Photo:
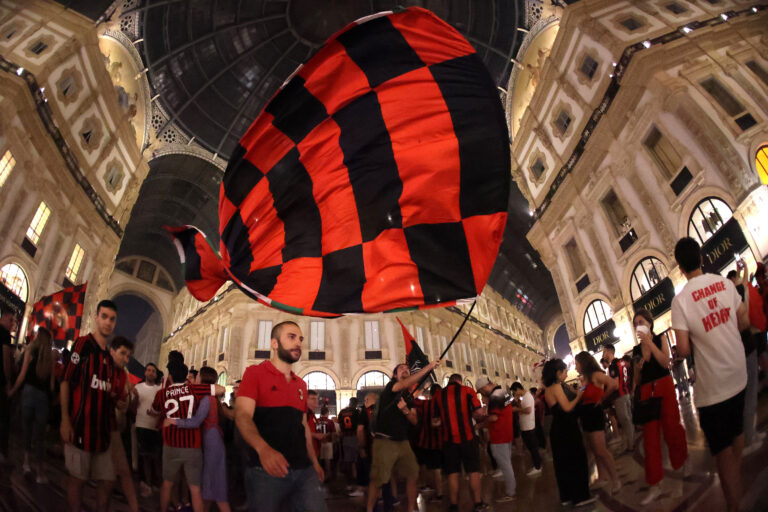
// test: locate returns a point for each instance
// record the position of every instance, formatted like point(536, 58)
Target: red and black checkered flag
point(414, 356)
point(376, 179)
point(61, 313)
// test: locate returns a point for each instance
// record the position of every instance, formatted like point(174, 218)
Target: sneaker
point(145, 491)
point(653, 494)
point(586, 502)
point(481, 507)
point(356, 493)
point(534, 472)
point(496, 474)
point(505, 498)
point(598, 484)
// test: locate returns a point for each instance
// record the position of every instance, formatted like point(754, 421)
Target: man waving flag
point(414, 357)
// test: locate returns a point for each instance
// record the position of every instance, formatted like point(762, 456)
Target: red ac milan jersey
point(458, 403)
point(325, 426)
point(430, 438)
point(180, 401)
point(619, 369)
point(91, 373)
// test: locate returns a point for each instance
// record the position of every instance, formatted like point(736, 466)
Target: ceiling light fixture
point(687, 30)
point(19, 71)
point(724, 16)
point(647, 43)
point(754, 9)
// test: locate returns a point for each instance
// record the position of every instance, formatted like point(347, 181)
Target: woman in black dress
point(568, 454)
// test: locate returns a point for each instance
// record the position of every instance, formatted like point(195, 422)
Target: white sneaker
point(534, 472)
point(26, 469)
point(653, 494)
point(496, 474)
point(145, 490)
point(505, 498)
point(356, 493)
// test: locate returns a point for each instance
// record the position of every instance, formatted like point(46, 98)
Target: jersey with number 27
point(180, 401)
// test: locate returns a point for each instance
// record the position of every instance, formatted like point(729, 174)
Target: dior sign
point(718, 251)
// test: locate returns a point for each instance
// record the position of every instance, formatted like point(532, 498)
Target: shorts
point(466, 454)
point(432, 459)
point(326, 451)
point(149, 441)
point(188, 459)
point(349, 449)
point(89, 465)
point(391, 455)
point(722, 422)
point(119, 458)
point(592, 418)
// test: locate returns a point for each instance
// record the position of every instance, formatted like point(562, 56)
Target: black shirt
point(651, 370)
point(5, 339)
point(390, 420)
point(349, 419)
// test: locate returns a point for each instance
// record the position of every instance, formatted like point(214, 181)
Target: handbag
point(645, 411)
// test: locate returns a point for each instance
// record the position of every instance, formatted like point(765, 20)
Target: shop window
point(647, 274)
point(36, 227)
point(598, 312)
point(14, 279)
point(708, 216)
point(675, 8)
point(7, 163)
point(761, 164)
point(588, 67)
point(759, 71)
point(223, 336)
point(631, 24)
point(319, 381)
point(75, 261)
point(38, 48)
point(728, 102)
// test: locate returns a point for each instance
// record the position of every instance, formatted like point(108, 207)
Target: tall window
point(319, 381)
point(265, 333)
point(758, 70)
point(598, 312)
point(574, 259)
point(73, 268)
point(728, 103)
point(372, 379)
point(648, 273)
point(420, 340)
point(37, 225)
point(588, 67)
point(14, 279)
point(613, 208)
point(207, 347)
point(7, 163)
point(562, 122)
point(317, 336)
point(372, 335)
point(466, 355)
point(708, 216)
point(761, 164)
point(223, 338)
point(663, 152)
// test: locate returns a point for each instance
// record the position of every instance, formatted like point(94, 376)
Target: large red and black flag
point(414, 357)
point(376, 179)
point(61, 313)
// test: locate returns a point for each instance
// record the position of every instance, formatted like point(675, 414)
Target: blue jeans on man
point(300, 488)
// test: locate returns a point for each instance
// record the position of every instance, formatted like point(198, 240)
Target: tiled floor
point(699, 492)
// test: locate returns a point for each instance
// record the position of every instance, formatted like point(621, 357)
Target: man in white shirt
point(707, 316)
point(527, 411)
point(148, 436)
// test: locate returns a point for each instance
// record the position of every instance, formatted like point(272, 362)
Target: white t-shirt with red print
point(707, 308)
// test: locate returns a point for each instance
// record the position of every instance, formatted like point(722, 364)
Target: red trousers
point(669, 423)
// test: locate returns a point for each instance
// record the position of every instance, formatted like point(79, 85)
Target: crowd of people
point(274, 444)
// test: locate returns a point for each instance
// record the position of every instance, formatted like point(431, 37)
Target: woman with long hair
point(656, 381)
point(597, 385)
point(568, 454)
point(37, 377)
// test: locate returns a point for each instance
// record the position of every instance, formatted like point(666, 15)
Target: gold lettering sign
point(655, 302)
point(719, 250)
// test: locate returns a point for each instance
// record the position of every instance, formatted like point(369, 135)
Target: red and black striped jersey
point(430, 437)
point(457, 403)
point(180, 401)
point(620, 370)
point(91, 373)
point(325, 426)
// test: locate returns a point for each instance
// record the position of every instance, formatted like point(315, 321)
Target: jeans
point(503, 454)
point(623, 407)
point(532, 443)
point(750, 399)
point(34, 412)
point(300, 487)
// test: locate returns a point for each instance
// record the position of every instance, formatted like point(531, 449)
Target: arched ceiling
point(179, 190)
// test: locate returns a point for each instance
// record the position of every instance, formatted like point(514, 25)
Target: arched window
point(319, 380)
point(13, 277)
point(708, 216)
point(222, 379)
point(761, 163)
point(598, 312)
point(647, 274)
point(372, 379)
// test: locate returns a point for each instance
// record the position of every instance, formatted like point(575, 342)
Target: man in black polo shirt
point(271, 415)
point(391, 449)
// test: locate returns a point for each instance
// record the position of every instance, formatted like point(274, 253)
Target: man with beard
point(271, 414)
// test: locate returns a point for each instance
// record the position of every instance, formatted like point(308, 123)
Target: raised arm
point(416, 377)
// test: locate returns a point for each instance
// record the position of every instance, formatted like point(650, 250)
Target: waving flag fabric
point(414, 357)
point(376, 179)
point(61, 313)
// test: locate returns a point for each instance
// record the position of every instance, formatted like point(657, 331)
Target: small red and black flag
point(414, 357)
point(376, 179)
point(61, 313)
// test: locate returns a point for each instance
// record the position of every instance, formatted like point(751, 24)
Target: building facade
point(635, 124)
